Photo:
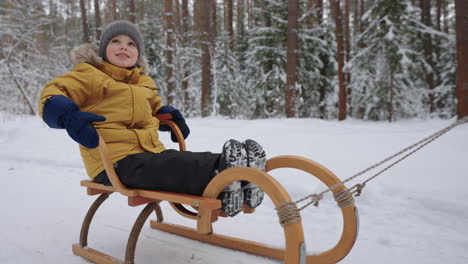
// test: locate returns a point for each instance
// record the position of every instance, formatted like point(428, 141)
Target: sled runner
point(208, 210)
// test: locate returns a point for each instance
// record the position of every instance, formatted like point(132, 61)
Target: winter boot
point(256, 158)
point(232, 197)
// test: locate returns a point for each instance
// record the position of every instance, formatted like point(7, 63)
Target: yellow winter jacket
point(127, 98)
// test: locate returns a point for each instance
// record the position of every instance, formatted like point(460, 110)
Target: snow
point(414, 213)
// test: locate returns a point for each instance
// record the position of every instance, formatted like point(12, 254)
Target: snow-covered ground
point(417, 212)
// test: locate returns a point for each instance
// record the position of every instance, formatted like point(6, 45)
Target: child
point(108, 92)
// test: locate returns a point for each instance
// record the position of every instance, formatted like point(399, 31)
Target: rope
point(288, 213)
point(344, 198)
point(357, 189)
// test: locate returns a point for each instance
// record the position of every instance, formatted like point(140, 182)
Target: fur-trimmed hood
point(89, 53)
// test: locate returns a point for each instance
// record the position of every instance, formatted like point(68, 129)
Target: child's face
point(122, 51)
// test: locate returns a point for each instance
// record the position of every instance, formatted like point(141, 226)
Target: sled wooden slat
point(96, 188)
point(138, 200)
point(191, 200)
point(157, 196)
point(94, 255)
point(221, 240)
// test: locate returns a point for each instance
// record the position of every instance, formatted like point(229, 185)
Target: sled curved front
point(294, 235)
point(350, 214)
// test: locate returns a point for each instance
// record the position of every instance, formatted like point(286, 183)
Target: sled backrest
point(112, 175)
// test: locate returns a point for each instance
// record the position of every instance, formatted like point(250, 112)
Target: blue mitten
point(177, 118)
point(61, 112)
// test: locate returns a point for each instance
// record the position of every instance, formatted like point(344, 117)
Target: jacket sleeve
point(76, 85)
point(155, 100)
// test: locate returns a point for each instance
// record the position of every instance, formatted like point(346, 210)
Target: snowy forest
point(328, 59)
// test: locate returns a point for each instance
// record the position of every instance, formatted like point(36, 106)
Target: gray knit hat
point(120, 27)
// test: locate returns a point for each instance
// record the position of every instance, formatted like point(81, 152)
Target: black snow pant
point(171, 170)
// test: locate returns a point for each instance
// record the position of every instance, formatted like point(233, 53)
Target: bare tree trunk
point(240, 17)
point(347, 30)
point(213, 34)
point(250, 13)
point(185, 21)
point(114, 8)
point(390, 99)
point(177, 20)
point(240, 20)
point(88, 13)
point(225, 15)
point(291, 63)
point(108, 11)
point(185, 29)
point(213, 24)
point(426, 19)
point(437, 47)
point(132, 11)
point(142, 10)
point(197, 16)
point(323, 88)
point(337, 14)
point(97, 15)
point(84, 21)
point(347, 46)
point(439, 15)
point(228, 19)
point(205, 16)
point(461, 13)
point(310, 19)
point(169, 48)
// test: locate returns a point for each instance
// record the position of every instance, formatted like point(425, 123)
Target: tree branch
point(23, 92)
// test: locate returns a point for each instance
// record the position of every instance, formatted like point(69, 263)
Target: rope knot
point(288, 213)
point(315, 199)
point(359, 187)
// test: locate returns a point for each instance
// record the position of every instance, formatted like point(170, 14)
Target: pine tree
point(317, 71)
point(387, 80)
point(443, 68)
point(152, 29)
point(229, 81)
point(266, 58)
point(444, 92)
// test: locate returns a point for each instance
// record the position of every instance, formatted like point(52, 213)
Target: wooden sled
point(207, 211)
